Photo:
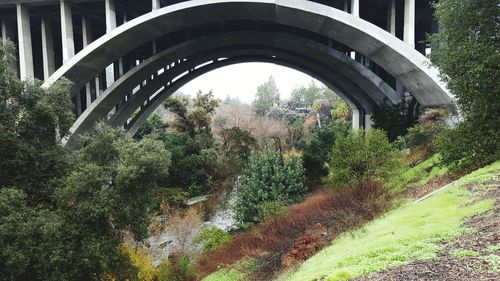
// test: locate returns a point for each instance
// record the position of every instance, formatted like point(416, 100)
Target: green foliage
point(192, 144)
point(362, 157)
point(237, 145)
point(195, 120)
point(393, 119)
point(270, 209)
point(31, 121)
point(417, 175)
point(267, 95)
point(268, 178)
point(305, 96)
point(154, 125)
point(317, 149)
point(466, 51)
point(424, 133)
point(62, 215)
point(211, 238)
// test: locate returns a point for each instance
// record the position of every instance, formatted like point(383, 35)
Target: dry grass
point(272, 243)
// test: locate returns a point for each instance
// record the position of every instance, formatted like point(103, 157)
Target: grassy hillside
point(413, 231)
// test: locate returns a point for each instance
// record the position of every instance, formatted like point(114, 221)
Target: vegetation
point(266, 97)
point(317, 149)
point(211, 239)
point(273, 245)
point(395, 120)
point(466, 52)
point(392, 240)
point(268, 178)
point(362, 157)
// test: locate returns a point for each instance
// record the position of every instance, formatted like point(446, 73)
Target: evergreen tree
point(269, 178)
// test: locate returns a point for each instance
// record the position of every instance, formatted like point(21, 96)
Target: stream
point(223, 217)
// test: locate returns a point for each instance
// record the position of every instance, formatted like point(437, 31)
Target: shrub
point(268, 178)
point(175, 269)
point(362, 157)
point(423, 135)
point(271, 209)
point(211, 238)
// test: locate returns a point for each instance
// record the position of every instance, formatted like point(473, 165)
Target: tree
point(268, 178)
point(395, 120)
point(31, 121)
point(267, 95)
point(466, 52)
point(361, 157)
point(317, 149)
point(195, 120)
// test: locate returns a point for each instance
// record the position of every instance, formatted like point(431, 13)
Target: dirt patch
point(462, 259)
point(306, 246)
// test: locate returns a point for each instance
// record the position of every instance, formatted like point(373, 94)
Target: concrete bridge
point(126, 56)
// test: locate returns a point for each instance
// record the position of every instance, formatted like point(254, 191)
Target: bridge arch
point(366, 93)
point(396, 57)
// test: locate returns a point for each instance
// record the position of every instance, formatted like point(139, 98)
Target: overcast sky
point(241, 80)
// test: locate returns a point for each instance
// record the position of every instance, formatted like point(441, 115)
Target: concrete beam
point(26, 70)
point(49, 64)
point(409, 23)
point(67, 36)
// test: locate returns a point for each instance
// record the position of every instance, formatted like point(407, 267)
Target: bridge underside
point(124, 75)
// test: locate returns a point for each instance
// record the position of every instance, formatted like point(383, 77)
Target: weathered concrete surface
point(396, 57)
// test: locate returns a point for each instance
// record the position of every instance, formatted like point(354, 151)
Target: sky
point(241, 80)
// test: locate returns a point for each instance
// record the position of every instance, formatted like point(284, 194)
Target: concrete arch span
point(361, 88)
point(397, 58)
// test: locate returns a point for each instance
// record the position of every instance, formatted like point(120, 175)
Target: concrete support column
point(26, 69)
point(155, 4)
point(356, 118)
point(49, 64)
point(110, 12)
point(409, 26)
point(355, 8)
point(9, 33)
point(368, 121)
point(391, 27)
point(391, 17)
point(67, 39)
point(87, 39)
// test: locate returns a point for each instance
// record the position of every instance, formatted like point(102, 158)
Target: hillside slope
point(451, 235)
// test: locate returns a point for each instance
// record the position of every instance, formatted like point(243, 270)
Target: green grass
point(462, 253)
point(225, 275)
point(411, 232)
point(418, 175)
